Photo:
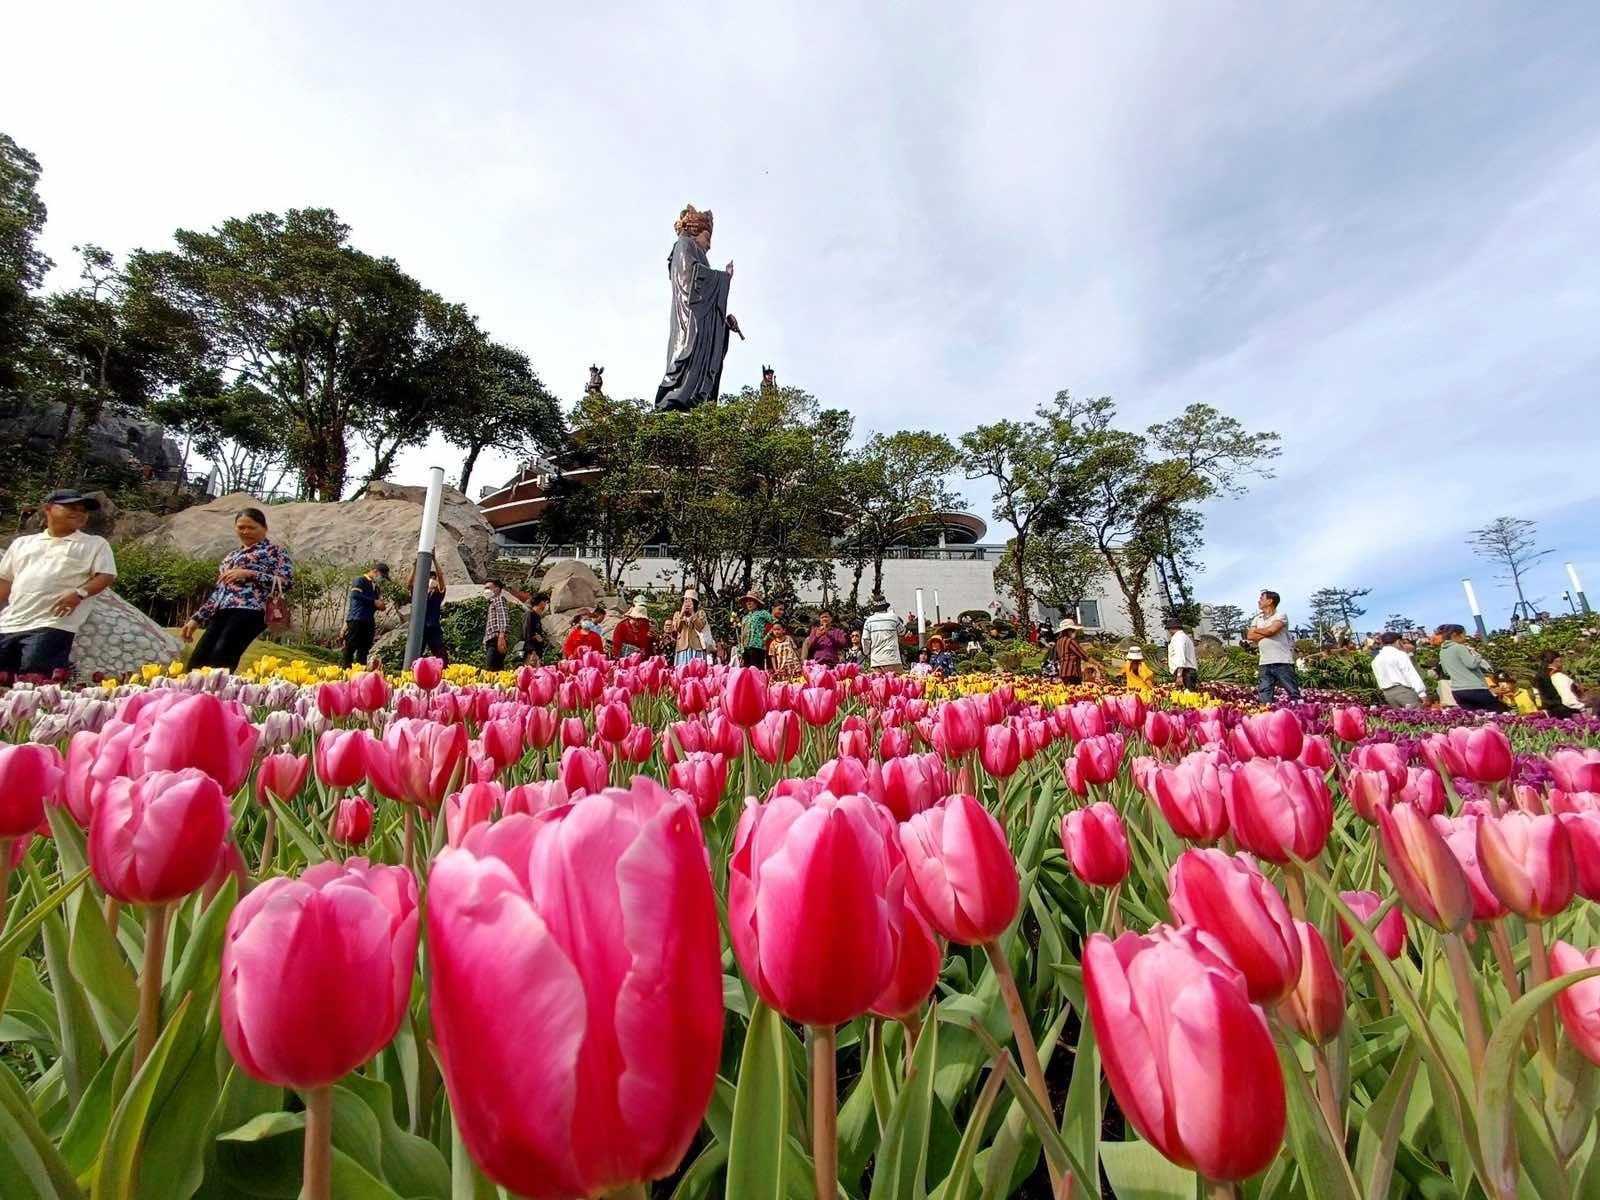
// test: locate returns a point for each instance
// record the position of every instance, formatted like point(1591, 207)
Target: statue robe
point(698, 338)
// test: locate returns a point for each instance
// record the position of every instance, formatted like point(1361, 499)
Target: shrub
point(166, 585)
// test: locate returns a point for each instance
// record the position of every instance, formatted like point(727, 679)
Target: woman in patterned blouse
point(235, 613)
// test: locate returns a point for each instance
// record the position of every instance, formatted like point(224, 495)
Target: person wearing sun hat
point(687, 629)
point(753, 629)
point(1069, 654)
point(634, 634)
point(50, 580)
point(1136, 673)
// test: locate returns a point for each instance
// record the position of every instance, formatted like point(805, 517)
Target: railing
point(919, 553)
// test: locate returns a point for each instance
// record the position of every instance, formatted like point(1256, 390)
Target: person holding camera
point(687, 629)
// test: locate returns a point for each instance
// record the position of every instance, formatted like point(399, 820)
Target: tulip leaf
point(1080, 1120)
point(963, 1173)
point(879, 1081)
point(200, 966)
point(30, 1166)
point(1321, 1159)
point(1138, 1171)
point(116, 1175)
point(858, 1134)
point(70, 841)
point(86, 1130)
point(19, 931)
point(413, 1166)
point(1383, 1124)
point(701, 1177)
point(99, 965)
point(79, 1044)
point(172, 1159)
point(1056, 1150)
point(296, 832)
point(1574, 1097)
point(756, 1165)
point(1498, 1091)
point(263, 1126)
point(901, 1164)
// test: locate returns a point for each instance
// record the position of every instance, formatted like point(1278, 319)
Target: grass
point(264, 647)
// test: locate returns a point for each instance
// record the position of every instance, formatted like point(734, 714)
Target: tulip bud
point(1527, 863)
point(1423, 869)
point(1276, 733)
point(1228, 897)
point(1190, 797)
point(352, 821)
point(1180, 1042)
point(1096, 844)
point(473, 805)
point(428, 672)
point(159, 837)
point(961, 875)
point(744, 696)
point(1576, 770)
point(1349, 723)
point(1000, 751)
point(1368, 792)
point(317, 971)
point(1278, 809)
point(912, 783)
point(704, 776)
point(281, 775)
point(341, 757)
point(1098, 759)
point(1316, 1005)
point(1390, 932)
point(1481, 753)
point(583, 770)
point(31, 776)
point(369, 691)
point(776, 737)
point(959, 727)
point(1579, 1005)
point(1385, 757)
point(1583, 831)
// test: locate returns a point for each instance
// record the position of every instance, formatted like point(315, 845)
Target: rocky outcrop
point(473, 533)
point(353, 533)
point(572, 586)
point(117, 638)
point(114, 441)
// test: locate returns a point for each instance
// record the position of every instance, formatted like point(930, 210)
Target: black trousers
point(1478, 699)
point(35, 652)
point(357, 642)
point(433, 643)
point(755, 656)
point(494, 658)
point(228, 635)
point(1187, 677)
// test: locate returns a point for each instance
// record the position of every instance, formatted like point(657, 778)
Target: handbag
point(278, 618)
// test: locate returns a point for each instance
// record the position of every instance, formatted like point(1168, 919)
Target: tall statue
point(597, 382)
point(769, 379)
point(701, 322)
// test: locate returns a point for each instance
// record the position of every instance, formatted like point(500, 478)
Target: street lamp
point(1472, 604)
point(1577, 587)
point(419, 585)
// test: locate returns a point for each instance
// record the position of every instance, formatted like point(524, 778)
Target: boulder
point(102, 521)
point(352, 533)
point(573, 586)
point(117, 638)
point(473, 533)
point(134, 524)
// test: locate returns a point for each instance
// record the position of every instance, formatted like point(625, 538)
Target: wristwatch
point(81, 594)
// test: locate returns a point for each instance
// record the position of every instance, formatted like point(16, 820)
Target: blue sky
point(1371, 228)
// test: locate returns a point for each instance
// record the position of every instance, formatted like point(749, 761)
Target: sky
point(1369, 227)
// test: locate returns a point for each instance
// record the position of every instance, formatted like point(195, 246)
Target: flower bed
point(611, 929)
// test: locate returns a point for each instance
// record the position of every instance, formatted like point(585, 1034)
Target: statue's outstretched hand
point(729, 268)
point(733, 324)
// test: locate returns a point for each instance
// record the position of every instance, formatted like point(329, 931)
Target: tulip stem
point(1297, 891)
point(825, 1109)
point(317, 1183)
point(266, 842)
point(1027, 1049)
point(1539, 973)
point(634, 1191)
point(155, 950)
point(1222, 1189)
point(5, 877)
point(1455, 952)
point(1330, 1103)
point(411, 840)
point(1503, 956)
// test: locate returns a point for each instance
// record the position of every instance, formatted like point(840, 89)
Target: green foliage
point(1227, 620)
point(166, 585)
point(463, 624)
point(22, 264)
point(1334, 610)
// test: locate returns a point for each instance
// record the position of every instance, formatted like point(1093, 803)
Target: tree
point(224, 424)
point(22, 265)
point(1227, 620)
point(1511, 544)
point(605, 495)
point(1334, 610)
point(1062, 567)
point(340, 343)
point(509, 410)
point(894, 479)
point(1025, 464)
point(1397, 623)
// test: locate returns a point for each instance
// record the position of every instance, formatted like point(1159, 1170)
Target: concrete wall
point(961, 583)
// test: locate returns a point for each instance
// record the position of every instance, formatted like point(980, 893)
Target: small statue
point(698, 337)
point(769, 379)
point(597, 382)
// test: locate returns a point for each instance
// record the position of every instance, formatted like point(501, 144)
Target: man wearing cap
point(1182, 661)
point(687, 629)
point(49, 579)
point(361, 617)
point(634, 634)
point(880, 637)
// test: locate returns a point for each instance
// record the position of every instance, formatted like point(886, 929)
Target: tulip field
point(609, 929)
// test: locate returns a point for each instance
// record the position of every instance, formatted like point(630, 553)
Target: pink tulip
point(1583, 831)
point(916, 970)
point(912, 783)
point(612, 722)
point(78, 782)
point(1423, 869)
point(1190, 1060)
point(1368, 792)
point(776, 737)
point(583, 770)
point(895, 743)
point(369, 691)
point(1278, 809)
point(1000, 752)
point(533, 798)
point(1228, 897)
point(199, 731)
point(850, 777)
point(282, 775)
point(638, 745)
point(352, 821)
point(1190, 797)
point(539, 727)
point(724, 737)
point(31, 776)
point(341, 757)
point(1159, 728)
point(959, 727)
point(473, 805)
point(1276, 733)
point(1527, 862)
point(1385, 757)
point(692, 698)
point(1425, 791)
point(1098, 759)
point(159, 837)
point(817, 706)
point(502, 741)
point(428, 672)
point(1576, 770)
point(317, 971)
point(798, 870)
point(1579, 1005)
point(428, 759)
point(1390, 932)
point(1349, 723)
point(1127, 709)
point(1560, 801)
point(1096, 844)
point(960, 873)
point(1315, 1007)
point(1461, 836)
point(334, 700)
point(744, 696)
point(596, 926)
point(1316, 753)
point(1085, 719)
point(1481, 754)
point(704, 776)
point(573, 733)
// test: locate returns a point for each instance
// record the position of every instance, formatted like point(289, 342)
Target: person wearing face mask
point(586, 635)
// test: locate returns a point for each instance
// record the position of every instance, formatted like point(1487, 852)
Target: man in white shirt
point(1397, 675)
point(1269, 633)
point(1182, 661)
point(49, 580)
point(880, 637)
